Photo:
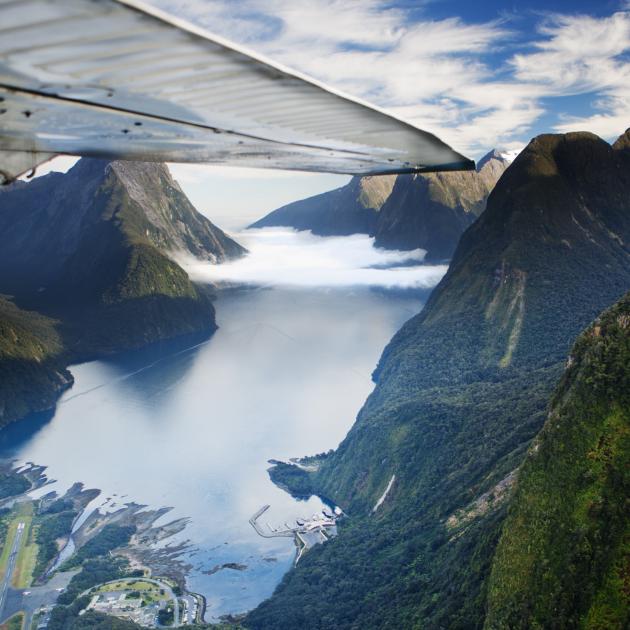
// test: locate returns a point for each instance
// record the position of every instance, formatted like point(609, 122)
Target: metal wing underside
point(120, 79)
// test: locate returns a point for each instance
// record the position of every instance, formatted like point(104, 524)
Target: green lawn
point(124, 585)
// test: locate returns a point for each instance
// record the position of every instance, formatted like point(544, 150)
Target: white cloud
point(438, 73)
point(612, 121)
point(580, 54)
point(584, 55)
point(196, 173)
point(280, 256)
point(59, 164)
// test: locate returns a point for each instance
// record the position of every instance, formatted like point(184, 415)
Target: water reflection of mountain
point(15, 436)
point(152, 372)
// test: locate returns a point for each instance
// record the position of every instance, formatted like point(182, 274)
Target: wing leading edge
point(120, 79)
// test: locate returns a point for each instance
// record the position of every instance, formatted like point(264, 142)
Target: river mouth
point(193, 428)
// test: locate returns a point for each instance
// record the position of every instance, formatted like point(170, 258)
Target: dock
point(306, 534)
point(272, 533)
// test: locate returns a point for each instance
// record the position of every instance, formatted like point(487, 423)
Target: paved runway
point(6, 580)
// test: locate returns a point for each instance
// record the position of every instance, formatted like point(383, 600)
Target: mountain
point(432, 211)
point(427, 471)
point(351, 209)
point(428, 211)
point(92, 249)
point(81, 230)
point(32, 374)
point(562, 559)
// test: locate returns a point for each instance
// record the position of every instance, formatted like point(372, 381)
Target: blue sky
point(478, 74)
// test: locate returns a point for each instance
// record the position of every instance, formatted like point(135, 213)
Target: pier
point(307, 532)
point(272, 533)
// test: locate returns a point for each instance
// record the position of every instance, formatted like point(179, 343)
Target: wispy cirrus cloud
point(476, 84)
point(584, 55)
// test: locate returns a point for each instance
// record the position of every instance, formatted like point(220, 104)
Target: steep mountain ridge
point(64, 230)
point(562, 205)
point(427, 211)
point(462, 389)
point(432, 211)
point(351, 209)
point(172, 223)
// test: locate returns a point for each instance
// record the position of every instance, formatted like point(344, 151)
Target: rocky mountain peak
point(623, 141)
point(158, 210)
point(494, 154)
point(373, 191)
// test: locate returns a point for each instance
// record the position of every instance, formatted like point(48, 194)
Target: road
point(38, 596)
point(10, 567)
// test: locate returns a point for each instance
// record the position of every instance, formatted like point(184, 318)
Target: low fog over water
point(284, 257)
point(284, 376)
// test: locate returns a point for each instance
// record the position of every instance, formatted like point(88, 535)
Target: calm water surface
point(283, 376)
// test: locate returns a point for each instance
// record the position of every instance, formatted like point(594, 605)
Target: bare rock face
point(174, 224)
point(431, 211)
point(623, 141)
point(374, 191)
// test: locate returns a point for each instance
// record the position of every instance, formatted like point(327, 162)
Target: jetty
point(272, 533)
point(307, 532)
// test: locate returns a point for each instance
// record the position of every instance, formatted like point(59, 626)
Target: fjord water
point(192, 426)
point(284, 375)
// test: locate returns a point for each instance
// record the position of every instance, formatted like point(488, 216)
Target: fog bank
point(284, 257)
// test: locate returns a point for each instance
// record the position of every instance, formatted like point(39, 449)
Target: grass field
point(7, 544)
point(140, 585)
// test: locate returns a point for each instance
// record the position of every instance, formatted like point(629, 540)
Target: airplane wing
point(121, 79)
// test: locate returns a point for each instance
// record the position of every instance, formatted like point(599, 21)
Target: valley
point(172, 428)
point(415, 494)
point(404, 212)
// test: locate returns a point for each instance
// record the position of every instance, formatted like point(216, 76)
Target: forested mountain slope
point(564, 553)
point(32, 372)
point(462, 389)
point(81, 230)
